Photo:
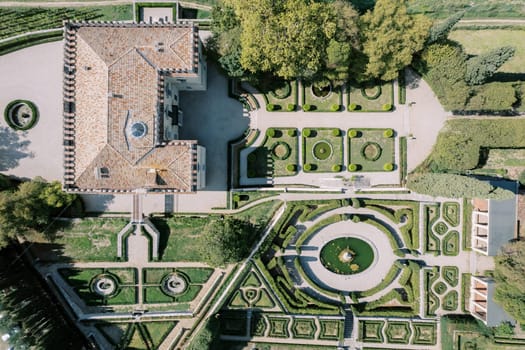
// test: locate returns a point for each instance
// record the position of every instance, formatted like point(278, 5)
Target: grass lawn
point(281, 95)
point(159, 330)
point(322, 150)
point(275, 154)
point(322, 100)
point(370, 149)
point(182, 236)
point(371, 98)
point(480, 41)
point(86, 240)
point(476, 8)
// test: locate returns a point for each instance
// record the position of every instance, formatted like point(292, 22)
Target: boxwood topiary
point(291, 132)
point(290, 107)
point(388, 133)
point(386, 107)
point(270, 132)
point(336, 132)
point(307, 107)
point(353, 106)
point(388, 167)
point(12, 124)
point(353, 167)
point(307, 132)
point(291, 167)
point(353, 133)
point(336, 168)
point(308, 167)
point(270, 107)
point(334, 107)
point(356, 218)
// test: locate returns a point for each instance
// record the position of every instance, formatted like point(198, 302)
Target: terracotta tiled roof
point(116, 71)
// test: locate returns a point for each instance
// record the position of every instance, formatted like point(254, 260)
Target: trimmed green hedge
point(303, 328)
point(451, 275)
point(316, 227)
point(451, 243)
point(331, 329)
point(370, 331)
point(389, 278)
point(30, 40)
point(398, 332)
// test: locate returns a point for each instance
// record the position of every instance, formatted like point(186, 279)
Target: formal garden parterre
point(407, 287)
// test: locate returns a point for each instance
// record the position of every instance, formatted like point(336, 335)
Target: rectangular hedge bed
point(277, 156)
point(282, 98)
point(371, 99)
point(80, 279)
point(322, 150)
point(330, 103)
point(331, 329)
point(371, 150)
point(371, 331)
point(152, 278)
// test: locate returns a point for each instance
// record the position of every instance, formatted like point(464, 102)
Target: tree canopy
point(455, 186)
point(30, 207)
point(391, 37)
point(482, 67)
point(228, 241)
point(509, 274)
point(440, 30)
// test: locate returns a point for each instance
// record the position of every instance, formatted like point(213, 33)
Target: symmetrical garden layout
point(352, 271)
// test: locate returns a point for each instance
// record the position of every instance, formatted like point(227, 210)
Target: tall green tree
point(482, 67)
point(30, 207)
point(286, 37)
point(228, 241)
point(390, 38)
point(440, 30)
point(509, 274)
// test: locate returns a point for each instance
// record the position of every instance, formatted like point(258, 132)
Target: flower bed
point(322, 150)
point(371, 98)
point(371, 149)
point(322, 99)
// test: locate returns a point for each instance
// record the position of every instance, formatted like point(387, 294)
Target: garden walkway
point(419, 120)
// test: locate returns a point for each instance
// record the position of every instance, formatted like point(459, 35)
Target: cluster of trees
point(31, 205)
point(463, 144)
point(229, 241)
point(31, 316)
point(460, 82)
point(509, 275)
point(318, 41)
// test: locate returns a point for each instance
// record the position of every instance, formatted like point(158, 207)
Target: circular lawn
point(322, 150)
point(347, 255)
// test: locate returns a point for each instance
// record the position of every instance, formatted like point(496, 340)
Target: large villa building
point(121, 107)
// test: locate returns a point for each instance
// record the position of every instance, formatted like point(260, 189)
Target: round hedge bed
point(372, 92)
point(322, 92)
point(347, 255)
point(21, 115)
point(322, 150)
point(281, 150)
point(371, 151)
point(282, 92)
point(104, 285)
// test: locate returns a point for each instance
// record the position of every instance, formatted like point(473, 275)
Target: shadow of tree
point(12, 148)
